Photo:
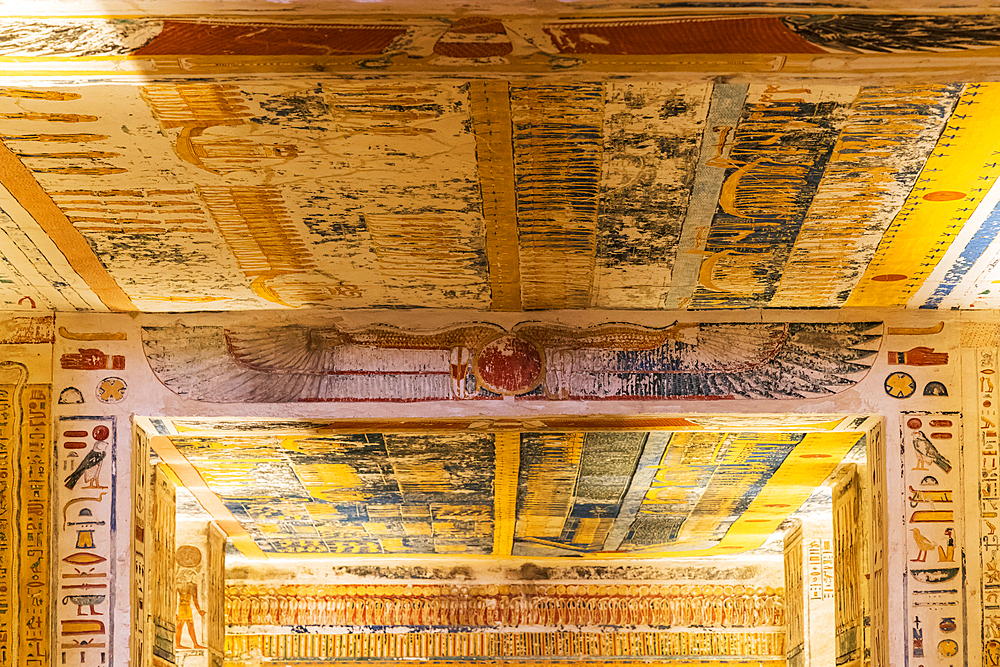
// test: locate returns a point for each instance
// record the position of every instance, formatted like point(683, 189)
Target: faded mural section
point(482, 361)
point(511, 194)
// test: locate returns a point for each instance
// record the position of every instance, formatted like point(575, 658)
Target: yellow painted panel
point(954, 180)
point(808, 465)
point(508, 453)
point(491, 122)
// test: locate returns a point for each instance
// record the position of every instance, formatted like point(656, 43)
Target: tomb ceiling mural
point(397, 330)
point(674, 161)
point(298, 489)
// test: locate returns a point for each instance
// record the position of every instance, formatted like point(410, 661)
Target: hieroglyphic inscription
point(161, 626)
point(879, 582)
point(139, 646)
point(9, 413)
point(820, 569)
point(86, 539)
point(795, 595)
point(215, 621)
point(25, 582)
point(35, 528)
point(989, 495)
point(934, 533)
point(507, 644)
point(848, 543)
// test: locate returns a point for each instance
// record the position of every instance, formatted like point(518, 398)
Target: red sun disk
point(509, 365)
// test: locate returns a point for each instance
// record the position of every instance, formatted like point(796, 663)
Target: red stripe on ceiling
point(187, 38)
point(762, 34)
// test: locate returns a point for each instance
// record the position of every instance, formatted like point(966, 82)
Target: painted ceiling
point(499, 163)
point(298, 489)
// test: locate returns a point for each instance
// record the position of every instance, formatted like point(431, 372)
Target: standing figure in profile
point(187, 558)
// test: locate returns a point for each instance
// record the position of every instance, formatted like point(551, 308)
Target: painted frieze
point(723, 604)
point(440, 621)
point(482, 361)
point(492, 40)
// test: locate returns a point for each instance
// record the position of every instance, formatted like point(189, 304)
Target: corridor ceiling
point(560, 157)
point(695, 486)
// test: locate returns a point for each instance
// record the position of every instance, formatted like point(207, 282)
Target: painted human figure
point(918, 638)
point(187, 596)
point(946, 554)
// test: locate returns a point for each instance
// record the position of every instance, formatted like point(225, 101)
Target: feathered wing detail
point(614, 361)
point(300, 363)
point(765, 360)
point(329, 350)
point(926, 450)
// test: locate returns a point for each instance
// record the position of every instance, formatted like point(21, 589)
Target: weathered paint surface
point(357, 494)
point(663, 493)
point(27, 601)
point(441, 191)
point(487, 41)
point(480, 361)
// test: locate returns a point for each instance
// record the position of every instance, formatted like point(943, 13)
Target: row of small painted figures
point(753, 608)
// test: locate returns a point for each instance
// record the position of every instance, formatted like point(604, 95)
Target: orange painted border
point(192, 480)
point(23, 186)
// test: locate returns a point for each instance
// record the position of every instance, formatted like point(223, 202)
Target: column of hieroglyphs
point(848, 560)
point(100, 548)
point(795, 592)
point(25, 505)
point(162, 620)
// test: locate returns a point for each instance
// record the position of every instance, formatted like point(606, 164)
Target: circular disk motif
point(900, 385)
point(188, 555)
point(111, 390)
point(948, 648)
point(509, 365)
